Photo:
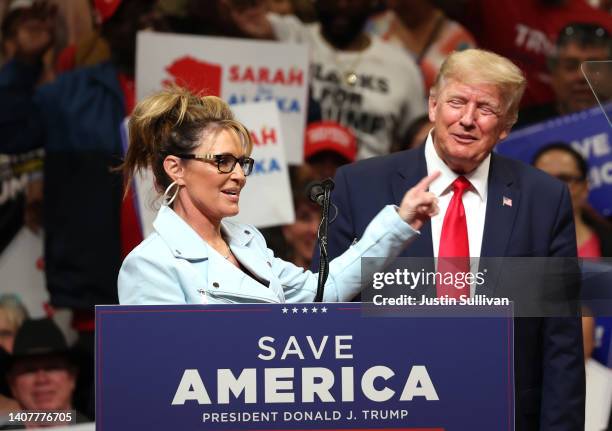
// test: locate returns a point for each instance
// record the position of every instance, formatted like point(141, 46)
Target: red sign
point(199, 77)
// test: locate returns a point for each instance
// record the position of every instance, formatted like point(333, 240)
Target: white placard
point(237, 70)
point(21, 272)
point(266, 199)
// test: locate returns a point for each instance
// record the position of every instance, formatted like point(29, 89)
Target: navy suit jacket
point(549, 364)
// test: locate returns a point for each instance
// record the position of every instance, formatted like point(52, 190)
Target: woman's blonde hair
point(477, 66)
point(174, 121)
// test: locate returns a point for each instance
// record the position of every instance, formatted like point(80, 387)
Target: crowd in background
point(67, 83)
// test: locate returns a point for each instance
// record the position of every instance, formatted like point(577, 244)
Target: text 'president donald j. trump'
point(490, 206)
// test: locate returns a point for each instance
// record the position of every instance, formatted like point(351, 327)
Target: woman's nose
point(238, 173)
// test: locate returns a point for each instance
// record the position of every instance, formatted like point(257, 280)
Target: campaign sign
point(237, 70)
point(300, 367)
point(588, 132)
point(266, 199)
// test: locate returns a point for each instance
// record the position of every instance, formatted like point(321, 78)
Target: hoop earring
point(166, 199)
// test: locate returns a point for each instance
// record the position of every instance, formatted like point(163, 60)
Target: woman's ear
point(174, 169)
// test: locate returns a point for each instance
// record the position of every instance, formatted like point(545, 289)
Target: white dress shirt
point(474, 198)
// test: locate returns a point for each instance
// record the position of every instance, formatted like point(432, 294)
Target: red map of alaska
point(198, 76)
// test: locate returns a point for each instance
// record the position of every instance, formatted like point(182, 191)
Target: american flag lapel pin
point(506, 202)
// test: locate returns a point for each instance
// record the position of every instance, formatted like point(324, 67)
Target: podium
point(301, 366)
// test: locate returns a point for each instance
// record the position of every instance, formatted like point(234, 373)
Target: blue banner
point(588, 132)
point(298, 367)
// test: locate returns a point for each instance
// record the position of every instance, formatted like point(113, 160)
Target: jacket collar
point(237, 234)
point(184, 242)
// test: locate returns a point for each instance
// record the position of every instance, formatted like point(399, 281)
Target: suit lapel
point(410, 171)
point(503, 200)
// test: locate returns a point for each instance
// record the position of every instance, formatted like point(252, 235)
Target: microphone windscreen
point(315, 191)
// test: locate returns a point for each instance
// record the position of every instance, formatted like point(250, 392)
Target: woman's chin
point(232, 211)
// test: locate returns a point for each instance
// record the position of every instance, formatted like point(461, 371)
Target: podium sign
point(299, 367)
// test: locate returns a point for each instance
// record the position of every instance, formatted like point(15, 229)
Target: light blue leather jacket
point(174, 265)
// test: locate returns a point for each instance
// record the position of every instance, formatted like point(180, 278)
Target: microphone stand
point(328, 186)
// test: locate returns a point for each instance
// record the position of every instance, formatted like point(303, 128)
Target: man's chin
point(461, 164)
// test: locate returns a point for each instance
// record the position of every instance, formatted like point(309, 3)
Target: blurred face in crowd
point(562, 165)
point(342, 20)
point(31, 33)
point(43, 382)
point(7, 332)
point(212, 193)
point(302, 235)
point(468, 121)
point(571, 88)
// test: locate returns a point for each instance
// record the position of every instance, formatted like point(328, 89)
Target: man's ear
point(432, 104)
point(174, 169)
point(505, 132)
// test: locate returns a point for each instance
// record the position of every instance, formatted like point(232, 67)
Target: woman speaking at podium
point(199, 156)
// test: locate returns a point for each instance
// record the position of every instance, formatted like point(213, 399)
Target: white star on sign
point(324, 310)
point(285, 309)
point(304, 310)
point(294, 309)
point(314, 309)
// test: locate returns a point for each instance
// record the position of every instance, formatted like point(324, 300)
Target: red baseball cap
point(330, 136)
point(106, 8)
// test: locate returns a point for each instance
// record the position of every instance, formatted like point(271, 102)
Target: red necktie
point(454, 245)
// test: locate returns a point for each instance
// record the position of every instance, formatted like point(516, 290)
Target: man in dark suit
point(505, 209)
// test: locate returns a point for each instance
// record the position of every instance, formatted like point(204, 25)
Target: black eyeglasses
point(225, 162)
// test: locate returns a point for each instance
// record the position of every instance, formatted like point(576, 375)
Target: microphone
point(320, 193)
point(316, 190)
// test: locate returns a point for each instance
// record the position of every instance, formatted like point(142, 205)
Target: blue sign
point(588, 132)
point(298, 367)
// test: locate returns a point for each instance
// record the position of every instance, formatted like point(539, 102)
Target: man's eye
point(455, 102)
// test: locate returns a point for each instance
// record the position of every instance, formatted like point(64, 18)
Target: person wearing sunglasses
point(200, 158)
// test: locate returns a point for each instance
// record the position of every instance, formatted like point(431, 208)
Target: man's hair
point(477, 66)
